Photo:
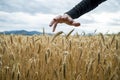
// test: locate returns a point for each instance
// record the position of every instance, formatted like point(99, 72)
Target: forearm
point(83, 7)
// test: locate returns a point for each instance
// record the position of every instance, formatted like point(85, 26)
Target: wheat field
point(59, 57)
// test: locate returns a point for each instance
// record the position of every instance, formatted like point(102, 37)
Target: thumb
point(76, 24)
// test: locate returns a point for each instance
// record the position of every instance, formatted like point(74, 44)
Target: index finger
point(52, 22)
point(55, 25)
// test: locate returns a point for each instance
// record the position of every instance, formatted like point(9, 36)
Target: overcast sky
point(35, 14)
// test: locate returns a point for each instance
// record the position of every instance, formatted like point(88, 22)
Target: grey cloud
point(52, 6)
point(115, 22)
point(108, 6)
point(32, 6)
point(87, 21)
point(22, 6)
point(49, 7)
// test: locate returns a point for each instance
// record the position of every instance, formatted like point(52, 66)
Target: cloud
point(52, 6)
point(89, 22)
point(36, 14)
point(108, 6)
point(103, 22)
point(37, 6)
point(21, 20)
point(105, 18)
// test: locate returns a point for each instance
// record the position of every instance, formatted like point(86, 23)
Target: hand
point(63, 19)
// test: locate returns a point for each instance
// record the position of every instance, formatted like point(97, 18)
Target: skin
point(63, 19)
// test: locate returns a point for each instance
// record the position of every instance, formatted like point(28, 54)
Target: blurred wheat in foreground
point(59, 57)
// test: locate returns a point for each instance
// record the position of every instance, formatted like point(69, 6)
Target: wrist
point(68, 15)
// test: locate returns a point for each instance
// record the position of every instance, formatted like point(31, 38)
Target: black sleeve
point(83, 7)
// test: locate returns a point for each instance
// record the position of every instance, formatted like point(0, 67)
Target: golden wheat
point(62, 58)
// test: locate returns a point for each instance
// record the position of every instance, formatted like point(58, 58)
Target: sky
point(34, 15)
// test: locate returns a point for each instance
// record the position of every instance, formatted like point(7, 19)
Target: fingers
point(63, 19)
point(52, 22)
point(56, 19)
point(55, 25)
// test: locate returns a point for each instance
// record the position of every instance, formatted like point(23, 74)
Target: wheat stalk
point(69, 33)
point(57, 34)
point(112, 40)
point(102, 37)
point(43, 31)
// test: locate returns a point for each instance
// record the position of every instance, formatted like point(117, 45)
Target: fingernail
point(54, 19)
point(50, 25)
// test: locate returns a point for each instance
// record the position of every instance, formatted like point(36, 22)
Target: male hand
point(63, 19)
